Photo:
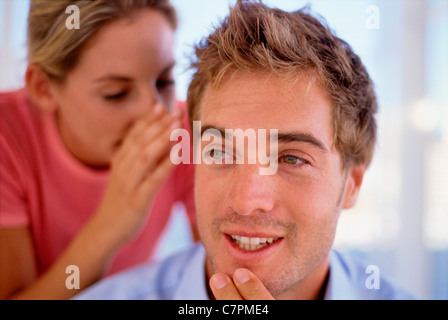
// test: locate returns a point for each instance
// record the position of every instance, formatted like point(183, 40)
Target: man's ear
point(355, 176)
point(39, 88)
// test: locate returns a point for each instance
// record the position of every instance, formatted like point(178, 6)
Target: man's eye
point(288, 159)
point(216, 154)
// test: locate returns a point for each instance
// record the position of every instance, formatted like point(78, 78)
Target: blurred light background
point(400, 222)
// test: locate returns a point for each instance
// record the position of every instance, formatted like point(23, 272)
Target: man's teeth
point(252, 244)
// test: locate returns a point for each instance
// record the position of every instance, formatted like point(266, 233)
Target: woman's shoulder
point(16, 111)
point(13, 99)
point(20, 125)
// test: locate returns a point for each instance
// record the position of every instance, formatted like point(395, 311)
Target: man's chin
point(268, 275)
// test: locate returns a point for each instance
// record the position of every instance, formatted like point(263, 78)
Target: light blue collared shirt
point(182, 277)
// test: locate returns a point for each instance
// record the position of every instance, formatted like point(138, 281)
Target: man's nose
point(250, 192)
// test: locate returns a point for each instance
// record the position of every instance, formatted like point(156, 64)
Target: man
point(270, 236)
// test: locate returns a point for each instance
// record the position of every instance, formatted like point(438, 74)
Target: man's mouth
point(252, 243)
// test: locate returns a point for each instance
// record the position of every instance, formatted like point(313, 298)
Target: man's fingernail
point(218, 281)
point(242, 275)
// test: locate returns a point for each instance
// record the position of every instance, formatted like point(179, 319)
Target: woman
point(86, 177)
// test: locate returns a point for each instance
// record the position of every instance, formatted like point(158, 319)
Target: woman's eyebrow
point(123, 78)
point(113, 77)
point(168, 68)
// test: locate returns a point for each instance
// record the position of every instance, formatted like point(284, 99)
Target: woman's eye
point(117, 96)
point(165, 83)
point(288, 159)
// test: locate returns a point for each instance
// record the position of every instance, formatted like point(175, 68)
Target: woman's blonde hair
point(257, 38)
point(56, 49)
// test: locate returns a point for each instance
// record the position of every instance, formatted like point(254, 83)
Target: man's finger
point(249, 286)
point(223, 288)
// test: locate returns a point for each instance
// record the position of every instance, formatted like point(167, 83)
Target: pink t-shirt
point(44, 187)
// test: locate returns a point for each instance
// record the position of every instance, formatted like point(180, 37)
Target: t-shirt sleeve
point(13, 208)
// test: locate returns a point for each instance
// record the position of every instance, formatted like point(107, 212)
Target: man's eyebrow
point(289, 137)
point(302, 137)
point(210, 127)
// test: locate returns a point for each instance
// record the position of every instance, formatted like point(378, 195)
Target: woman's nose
point(147, 101)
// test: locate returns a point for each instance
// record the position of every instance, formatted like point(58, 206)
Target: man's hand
point(244, 286)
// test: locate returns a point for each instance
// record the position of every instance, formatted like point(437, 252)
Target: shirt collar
point(194, 286)
point(192, 283)
point(339, 286)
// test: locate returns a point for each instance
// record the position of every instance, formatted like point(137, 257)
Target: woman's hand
point(137, 171)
